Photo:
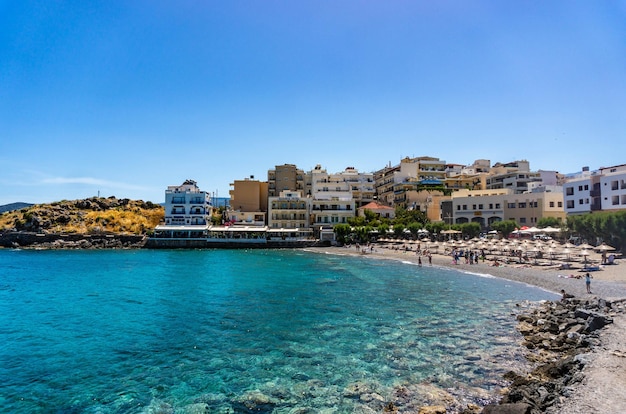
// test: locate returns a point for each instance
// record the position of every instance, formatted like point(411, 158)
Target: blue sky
point(125, 98)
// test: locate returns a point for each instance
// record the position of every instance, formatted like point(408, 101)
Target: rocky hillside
point(90, 216)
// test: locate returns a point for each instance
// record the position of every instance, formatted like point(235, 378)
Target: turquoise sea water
point(245, 331)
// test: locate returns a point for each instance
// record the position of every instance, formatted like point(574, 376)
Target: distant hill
point(13, 206)
point(88, 216)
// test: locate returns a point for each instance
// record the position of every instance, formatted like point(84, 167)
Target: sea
point(238, 331)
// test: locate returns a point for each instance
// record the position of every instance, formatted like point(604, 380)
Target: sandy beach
point(604, 388)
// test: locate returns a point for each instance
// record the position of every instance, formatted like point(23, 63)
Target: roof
point(376, 206)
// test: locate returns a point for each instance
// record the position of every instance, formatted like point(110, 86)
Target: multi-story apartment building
point(601, 190)
point(514, 176)
point(332, 202)
point(384, 180)
point(613, 188)
point(186, 205)
point(361, 185)
point(248, 202)
point(412, 175)
point(290, 210)
point(285, 177)
point(488, 206)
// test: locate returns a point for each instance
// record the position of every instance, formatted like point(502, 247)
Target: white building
point(613, 188)
point(577, 193)
point(186, 205)
point(332, 201)
point(600, 190)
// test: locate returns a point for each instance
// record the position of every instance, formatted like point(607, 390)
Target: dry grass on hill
point(93, 215)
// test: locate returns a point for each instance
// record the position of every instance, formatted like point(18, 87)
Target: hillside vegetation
point(90, 216)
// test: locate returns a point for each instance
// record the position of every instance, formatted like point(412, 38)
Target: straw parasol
point(568, 252)
point(585, 253)
point(604, 248)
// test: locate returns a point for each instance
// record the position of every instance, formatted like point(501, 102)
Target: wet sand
point(604, 388)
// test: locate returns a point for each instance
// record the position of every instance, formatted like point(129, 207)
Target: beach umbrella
point(585, 253)
point(567, 252)
point(584, 246)
point(550, 229)
point(551, 251)
point(604, 248)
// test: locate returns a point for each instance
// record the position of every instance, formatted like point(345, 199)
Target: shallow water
point(245, 330)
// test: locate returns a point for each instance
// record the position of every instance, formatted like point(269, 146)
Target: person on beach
point(419, 261)
point(588, 282)
point(566, 295)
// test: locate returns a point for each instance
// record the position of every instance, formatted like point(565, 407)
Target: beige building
point(248, 202)
point(412, 174)
point(488, 206)
point(286, 177)
point(290, 210)
point(383, 184)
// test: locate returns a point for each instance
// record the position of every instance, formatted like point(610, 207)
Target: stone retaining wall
point(70, 241)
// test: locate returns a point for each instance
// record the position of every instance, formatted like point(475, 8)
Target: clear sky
point(127, 97)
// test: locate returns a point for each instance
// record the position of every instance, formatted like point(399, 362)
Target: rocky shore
point(559, 336)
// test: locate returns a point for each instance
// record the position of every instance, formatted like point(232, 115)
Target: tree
point(414, 229)
point(405, 217)
point(398, 229)
point(505, 227)
point(357, 221)
point(470, 230)
point(342, 231)
point(607, 226)
point(549, 222)
point(383, 228)
point(436, 227)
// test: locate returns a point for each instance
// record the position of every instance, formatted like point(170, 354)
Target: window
point(570, 203)
point(580, 201)
point(490, 206)
point(473, 206)
point(464, 206)
point(480, 206)
point(522, 205)
point(614, 185)
point(569, 191)
point(586, 187)
point(559, 204)
point(580, 188)
point(458, 208)
point(497, 205)
point(511, 205)
point(522, 220)
point(551, 203)
point(615, 200)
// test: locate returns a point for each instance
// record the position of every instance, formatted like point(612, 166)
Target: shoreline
point(603, 387)
point(608, 283)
